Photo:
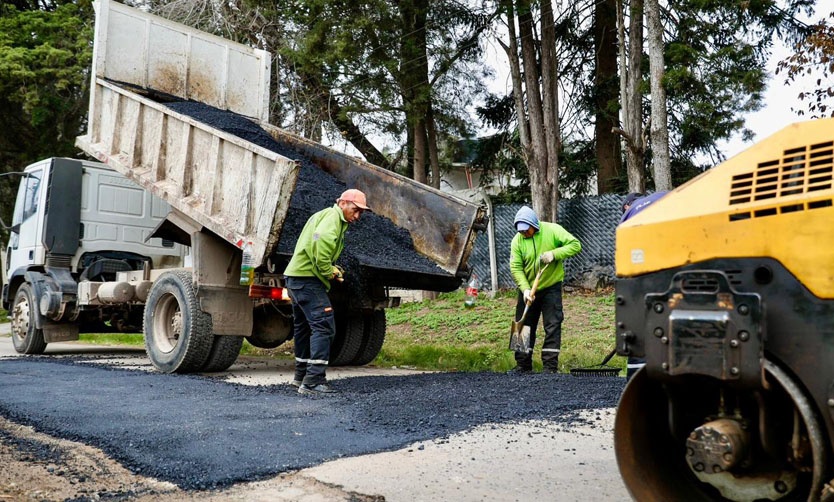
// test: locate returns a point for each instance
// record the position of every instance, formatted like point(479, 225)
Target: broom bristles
point(596, 372)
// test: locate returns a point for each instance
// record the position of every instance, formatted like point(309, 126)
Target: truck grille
point(800, 171)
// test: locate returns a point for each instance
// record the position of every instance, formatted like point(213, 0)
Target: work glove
point(528, 297)
point(546, 257)
point(338, 273)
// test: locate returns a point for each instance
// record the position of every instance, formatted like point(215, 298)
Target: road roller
point(725, 288)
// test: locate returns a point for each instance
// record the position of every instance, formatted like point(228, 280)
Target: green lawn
point(443, 334)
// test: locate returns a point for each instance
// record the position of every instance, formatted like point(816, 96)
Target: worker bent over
point(540, 244)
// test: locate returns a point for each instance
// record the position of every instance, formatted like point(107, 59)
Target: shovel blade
point(520, 338)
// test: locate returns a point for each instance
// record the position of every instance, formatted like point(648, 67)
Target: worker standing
point(308, 277)
point(535, 245)
point(633, 204)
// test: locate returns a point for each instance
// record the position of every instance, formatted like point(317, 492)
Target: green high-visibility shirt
point(319, 245)
point(524, 255)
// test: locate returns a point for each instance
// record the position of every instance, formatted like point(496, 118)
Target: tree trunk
point(515, 75)
point(413, 79)
point(550, 110)
point(608, 152)
point(632, 101)
point(659, 129)
point(537, 152)
point(434, 160)
point(420, 150)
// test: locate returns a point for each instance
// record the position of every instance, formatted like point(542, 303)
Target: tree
point(631, 76)
point(659, 127)
point(714, 54)
point(45, 57)
point(814, 54)
point(605, 95)
point(537, 101)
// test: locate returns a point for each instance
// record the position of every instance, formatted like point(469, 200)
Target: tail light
point(268, 292)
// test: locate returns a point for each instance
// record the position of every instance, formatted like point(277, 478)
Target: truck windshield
point(27, 197)
point(26, 204)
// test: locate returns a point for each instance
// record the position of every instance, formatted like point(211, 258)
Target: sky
point(777, 113)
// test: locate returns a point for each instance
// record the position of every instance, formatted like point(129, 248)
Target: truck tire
point(224, 352)
point(271, 327)
point(178, 335)
point(348, 340)
point(373, 339)
point(26, 338)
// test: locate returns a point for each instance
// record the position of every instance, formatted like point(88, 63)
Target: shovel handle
point(535, 285)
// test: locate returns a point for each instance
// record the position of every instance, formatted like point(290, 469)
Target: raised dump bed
point(184, 114)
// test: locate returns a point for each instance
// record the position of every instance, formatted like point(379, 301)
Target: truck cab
point(73, 221)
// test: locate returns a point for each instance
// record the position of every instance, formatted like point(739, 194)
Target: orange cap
point(355, 196)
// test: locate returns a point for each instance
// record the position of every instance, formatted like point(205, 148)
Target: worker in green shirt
point(535, 245)
point(307, 279)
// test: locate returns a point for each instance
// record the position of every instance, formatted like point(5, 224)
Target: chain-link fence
point(593, 220)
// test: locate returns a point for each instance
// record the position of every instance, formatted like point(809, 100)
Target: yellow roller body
point(772, 200)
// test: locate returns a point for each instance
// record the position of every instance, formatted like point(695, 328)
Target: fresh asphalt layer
point(199, 432)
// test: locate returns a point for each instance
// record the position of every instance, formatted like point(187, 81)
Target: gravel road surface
point(397, 437)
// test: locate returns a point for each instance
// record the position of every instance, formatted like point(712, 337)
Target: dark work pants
point(314, 327)
point(548, 306)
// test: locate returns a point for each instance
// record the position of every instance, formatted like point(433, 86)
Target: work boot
point(519, 370)
point(548, 369)
point(321, 388)
point(296, 383)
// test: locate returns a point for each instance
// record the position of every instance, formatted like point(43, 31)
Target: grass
point(130, 339)
point(442, 334)
point(4, 316)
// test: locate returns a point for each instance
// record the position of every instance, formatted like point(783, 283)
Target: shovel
point(519, 333)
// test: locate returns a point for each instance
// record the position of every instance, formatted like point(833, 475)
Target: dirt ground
point(37, 467)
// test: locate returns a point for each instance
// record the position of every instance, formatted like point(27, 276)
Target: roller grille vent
point(699, 285)
point(799, 171)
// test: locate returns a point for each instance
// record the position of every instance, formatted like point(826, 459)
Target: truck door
point(25, 247)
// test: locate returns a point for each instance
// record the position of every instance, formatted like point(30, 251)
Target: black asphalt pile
point(374, 241)
point(200, 433)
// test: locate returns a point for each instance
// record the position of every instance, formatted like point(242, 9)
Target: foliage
point(715, 56)
point(814, 54)
point(715, 60)
point(45, 58)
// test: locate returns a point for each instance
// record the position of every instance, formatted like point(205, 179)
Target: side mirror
point(15, 228)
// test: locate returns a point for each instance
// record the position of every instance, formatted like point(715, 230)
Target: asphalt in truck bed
point(373, 241)
point(199, 433)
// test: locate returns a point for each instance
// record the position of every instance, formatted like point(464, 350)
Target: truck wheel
point(348, 340)
point(178, 335)
point(271, 327)
point(27, 339)
point(373, 339)
point(224, 352)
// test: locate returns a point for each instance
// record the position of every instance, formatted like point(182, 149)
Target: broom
point(600, 370)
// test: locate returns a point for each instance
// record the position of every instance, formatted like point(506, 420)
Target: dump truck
point(726, 288)
point(205, 193)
